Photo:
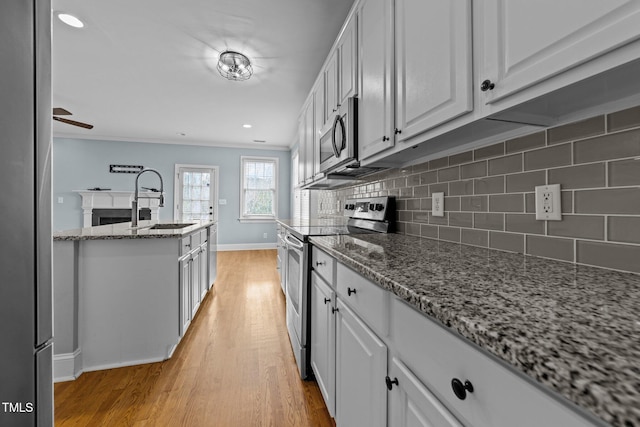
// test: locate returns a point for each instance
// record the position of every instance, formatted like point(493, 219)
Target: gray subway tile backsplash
point(608, 147)
point(592, 175)
point(550, 247)
point(490, 193)
point(550, 157)
point(577, 130)
point(624, 172)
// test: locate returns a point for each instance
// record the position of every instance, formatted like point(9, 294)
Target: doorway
point(196, 192)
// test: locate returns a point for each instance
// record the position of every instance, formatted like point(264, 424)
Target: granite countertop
point(124, 230)
point(574, 328)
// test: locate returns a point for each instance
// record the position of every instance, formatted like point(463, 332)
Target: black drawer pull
point(319, 263)
point(333, 309)
point(390, 383)
point(460, 390)
point(326, 300)
point(351, 291)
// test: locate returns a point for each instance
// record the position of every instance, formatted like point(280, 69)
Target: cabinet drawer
point(501, 397)
point(185, 245)
point(323, 264)
point(196, 239)
point(367, 299)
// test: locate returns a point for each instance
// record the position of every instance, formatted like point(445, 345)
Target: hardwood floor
point(233, 368)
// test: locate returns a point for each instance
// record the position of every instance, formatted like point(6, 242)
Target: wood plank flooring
point(234, 367)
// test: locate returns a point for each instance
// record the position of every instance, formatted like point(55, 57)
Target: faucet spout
point(136, 196)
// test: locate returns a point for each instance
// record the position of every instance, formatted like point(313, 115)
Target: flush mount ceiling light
point(70, 20)
point(234, 66)
point(247, 126)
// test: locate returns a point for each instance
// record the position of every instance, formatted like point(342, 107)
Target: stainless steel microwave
point(339, 144)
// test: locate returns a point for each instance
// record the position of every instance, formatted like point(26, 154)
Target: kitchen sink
point(169, 226)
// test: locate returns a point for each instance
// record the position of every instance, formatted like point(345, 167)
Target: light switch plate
point(437, 204)
point(222, 201)
point(548, 202)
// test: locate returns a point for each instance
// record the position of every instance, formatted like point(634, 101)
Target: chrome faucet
point(134, 202)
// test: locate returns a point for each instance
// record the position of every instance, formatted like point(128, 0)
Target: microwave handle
point(337, 122)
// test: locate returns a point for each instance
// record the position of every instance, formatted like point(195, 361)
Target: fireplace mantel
point(109, 199)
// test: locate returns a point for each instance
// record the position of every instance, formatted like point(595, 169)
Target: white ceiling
point(144, 70)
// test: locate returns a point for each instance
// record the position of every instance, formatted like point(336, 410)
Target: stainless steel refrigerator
point(26, 380)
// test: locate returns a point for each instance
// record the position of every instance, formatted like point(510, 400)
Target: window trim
point(259, 218)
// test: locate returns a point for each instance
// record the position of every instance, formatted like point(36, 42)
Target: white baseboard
point(124, 364)
point(245, 247)
point(67, 366)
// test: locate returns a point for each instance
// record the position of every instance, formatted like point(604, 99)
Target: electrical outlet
point(437, 204)
point(548, 203)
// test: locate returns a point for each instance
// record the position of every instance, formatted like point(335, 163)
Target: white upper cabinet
point(348, 61)
point(331, 87)
point(526, 42)
point(375, 106)
point(433, 64)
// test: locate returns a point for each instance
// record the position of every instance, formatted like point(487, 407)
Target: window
point(258, 188)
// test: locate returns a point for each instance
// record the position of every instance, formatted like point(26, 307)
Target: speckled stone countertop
point(124, 230)
point(573, 328)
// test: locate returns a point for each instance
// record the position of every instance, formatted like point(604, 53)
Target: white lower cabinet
point(323, 339)
point(411, 404)
point(195, 282)
point(185, 292)
point(434, 377)
point(361, 366)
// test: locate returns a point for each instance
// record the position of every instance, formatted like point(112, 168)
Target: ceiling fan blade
point(73, 122)
point(57, 111)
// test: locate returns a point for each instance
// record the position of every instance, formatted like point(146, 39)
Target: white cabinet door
point(318, 122)
point(348, 62)
point(204, 277)
point(306, 140)
point(361, 366)
point(433, 64)
point(526, 42)
point(411, 404)
point(302, 154)
point(195, 283)
point(185, 298)
point(323, 339)
point(331, 88)
point(375, 106)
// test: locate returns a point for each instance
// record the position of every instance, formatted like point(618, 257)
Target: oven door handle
point(295, 243)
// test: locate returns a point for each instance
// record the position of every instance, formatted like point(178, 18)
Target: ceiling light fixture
point(234, 66)
point(247, 126)
point(70, 20)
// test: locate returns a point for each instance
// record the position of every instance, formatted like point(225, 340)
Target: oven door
point(297, 300)
point(338, 143)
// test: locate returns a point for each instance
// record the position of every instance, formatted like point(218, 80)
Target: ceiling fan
point(57, 111)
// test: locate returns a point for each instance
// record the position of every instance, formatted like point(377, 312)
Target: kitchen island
point(126, 295)
point(567, 328)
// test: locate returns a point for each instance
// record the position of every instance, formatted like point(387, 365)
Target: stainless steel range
point(371, 215)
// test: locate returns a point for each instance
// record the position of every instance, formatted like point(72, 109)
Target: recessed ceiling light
point(247, 126)
point(70, 20)
point(259, 141)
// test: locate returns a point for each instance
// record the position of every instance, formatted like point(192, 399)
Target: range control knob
point(346, 206)
point(379, 207)
point(371, 207)
point(351, 207)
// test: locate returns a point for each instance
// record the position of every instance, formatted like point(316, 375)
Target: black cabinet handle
point(350, 291)
point(487, 85)
point(390, 383)
point(326, 300)
point(385, 138)
point(333, 309)
point(460, 390)
point(319, 263)
point(397, 131)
